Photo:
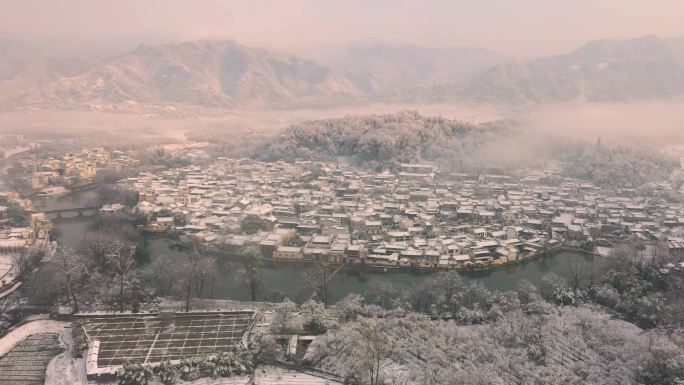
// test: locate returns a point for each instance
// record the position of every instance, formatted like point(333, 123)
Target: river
point(286, 281)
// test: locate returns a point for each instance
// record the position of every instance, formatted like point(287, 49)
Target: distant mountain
point(225, 74)
point(206, 73)
point(380, 67)
point(42, 83)
point(14, 56)
point(677, 47)
point(606, 70)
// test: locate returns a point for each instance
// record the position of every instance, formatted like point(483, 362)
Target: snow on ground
point(27, 362)
point(54, 191)
point(604, 251)
point(235, 380)
point(19, 334)
point(64, 369)
point(9, 291)
point(271, 375)
point(6, 263)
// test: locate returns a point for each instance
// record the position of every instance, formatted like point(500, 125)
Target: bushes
point(270, 350)
point(221, 365)
point(167, 372)
point(569, 344)
point(663, 366)
point(226, 365)
point(133, 374)
point(315, 316)
point(80, 344)
point(640, 294)
point(190, 368)
point(286, 320)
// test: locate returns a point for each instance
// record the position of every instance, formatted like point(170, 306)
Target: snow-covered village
point(341, 193)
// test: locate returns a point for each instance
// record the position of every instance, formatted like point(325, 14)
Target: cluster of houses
point(20, 229)
point(416, 216)
point(35, 227)
point(74, 168)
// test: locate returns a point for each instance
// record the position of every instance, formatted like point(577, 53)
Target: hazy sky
point(514, 27)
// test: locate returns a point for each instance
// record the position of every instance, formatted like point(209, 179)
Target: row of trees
point(118, 262)
point(110, 269)
point(221, 365)
point(106, 272)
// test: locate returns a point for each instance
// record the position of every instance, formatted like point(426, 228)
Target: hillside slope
point(205, 73)
point(384, 67)
point(225, 74)
point(607, 70)
point(382, 140)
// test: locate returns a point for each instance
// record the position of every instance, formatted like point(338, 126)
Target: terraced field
point(146, 338)
point(26, 363)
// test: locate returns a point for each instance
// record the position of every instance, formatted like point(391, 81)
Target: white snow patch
point(24, 331)
point(64, 369)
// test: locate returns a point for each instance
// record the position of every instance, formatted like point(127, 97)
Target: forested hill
point(615, 166)
point(381, 141)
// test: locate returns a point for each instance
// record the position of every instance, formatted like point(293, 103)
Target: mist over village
point(318, 193)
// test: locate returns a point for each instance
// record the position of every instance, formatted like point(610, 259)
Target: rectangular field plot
point(147, 338)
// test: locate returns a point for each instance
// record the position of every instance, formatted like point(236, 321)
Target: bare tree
point(372, 350)
point(319, 279)
point(578, 273)
point(26, 259)
point(189, 268)
point(661, 253)
point(97, 247)
point(121, 259)
point(162, 275)
point(72, 269)
point(21, 262)
point(251, 273)
point(206, 273)
point(195, 272)
point(639, 248)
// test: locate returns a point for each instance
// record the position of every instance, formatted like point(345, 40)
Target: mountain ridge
point(599, 71)
point(206, 73)
point(226, 74)
point(381, 66)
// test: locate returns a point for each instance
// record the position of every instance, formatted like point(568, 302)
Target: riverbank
point(403, 266)
point(285, 279)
